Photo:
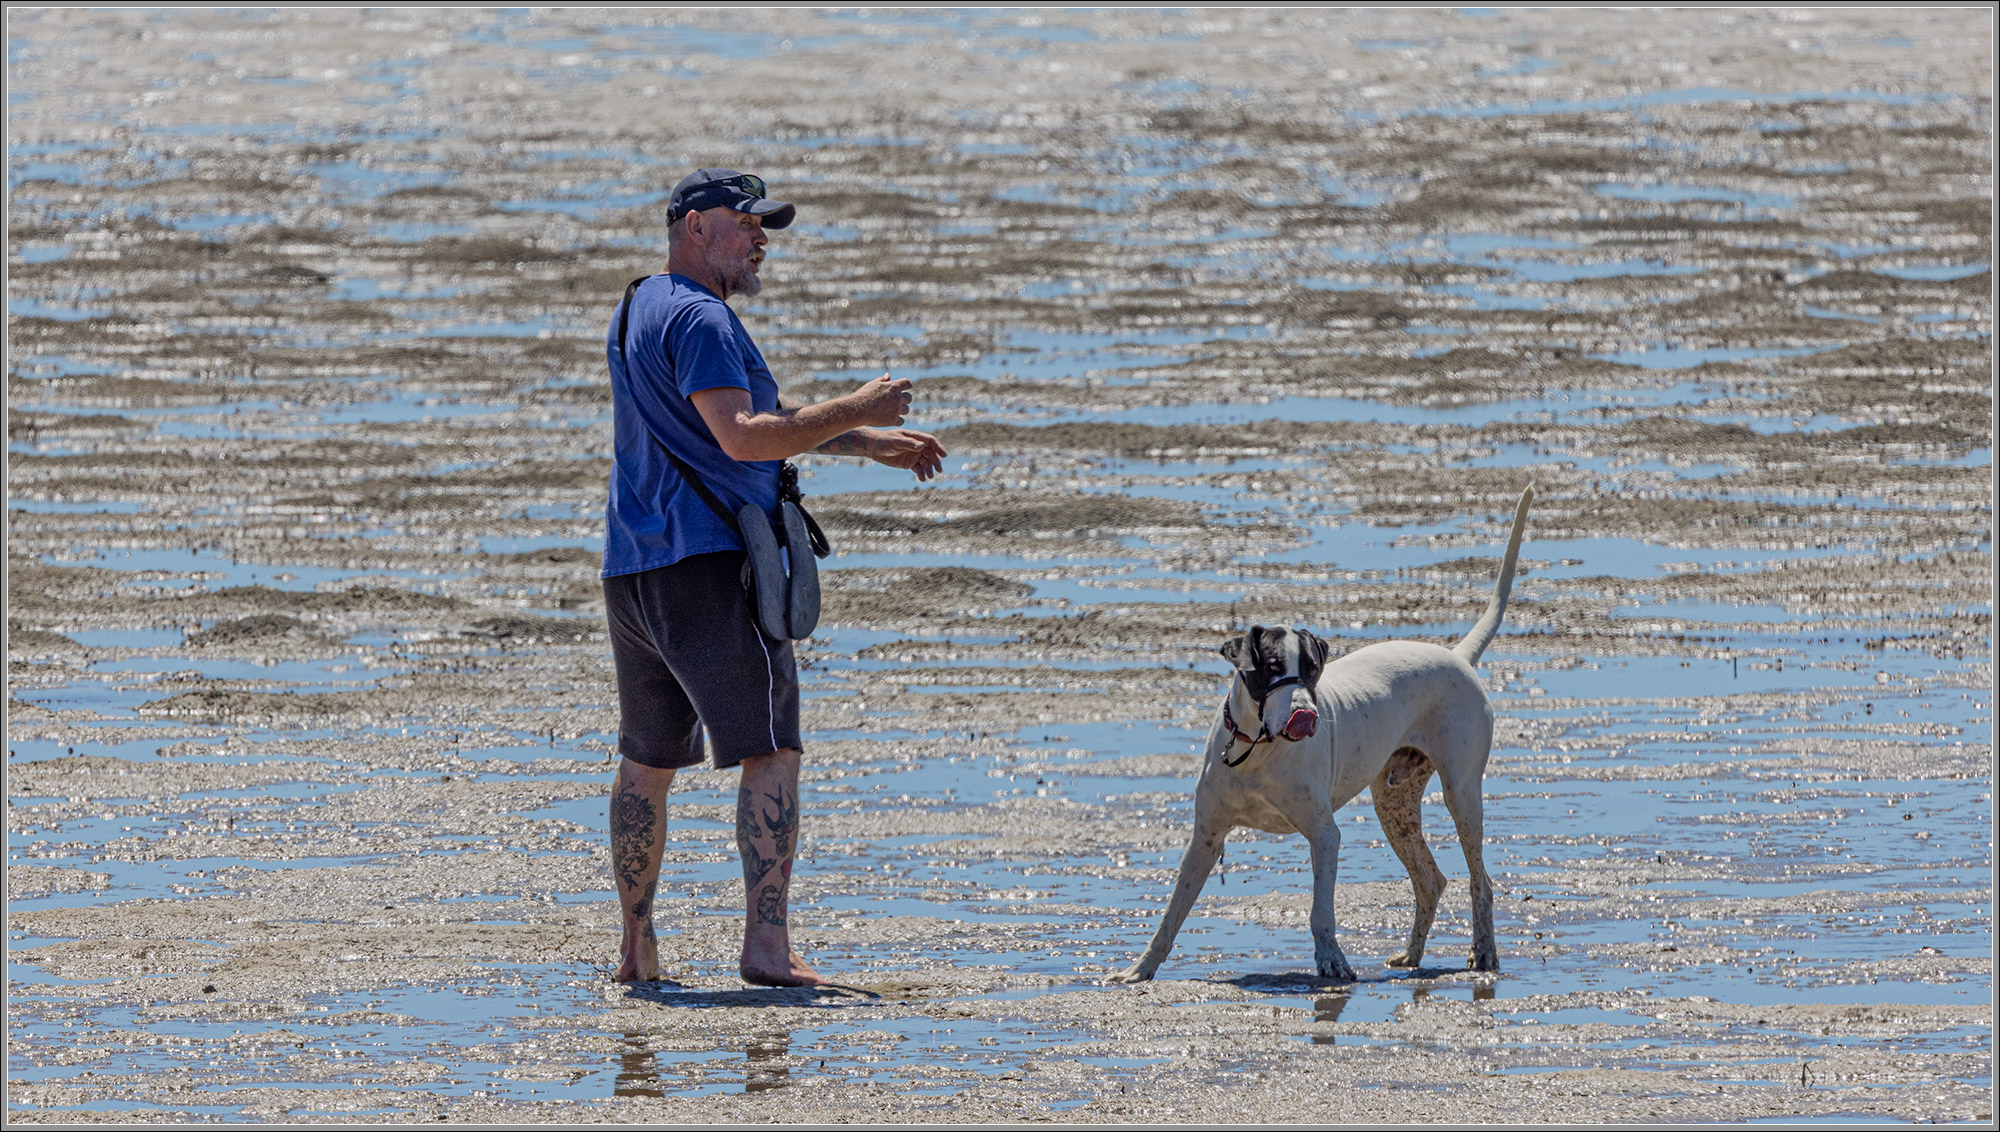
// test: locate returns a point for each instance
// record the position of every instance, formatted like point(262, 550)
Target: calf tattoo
point(754, 824)
point(771, 905)
point(755, 864)
point(784, 825)
point(633, 818)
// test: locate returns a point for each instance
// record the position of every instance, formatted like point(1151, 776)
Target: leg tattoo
point(767, 832)
point(771, 905)
point(633, 820)
point(638, 835)
point(755, 862)
point(784, 825)
point(756, 828)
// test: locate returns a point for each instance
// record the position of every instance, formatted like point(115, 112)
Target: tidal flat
point(1227, 318)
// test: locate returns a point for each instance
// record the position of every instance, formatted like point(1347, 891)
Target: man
point(685, 641)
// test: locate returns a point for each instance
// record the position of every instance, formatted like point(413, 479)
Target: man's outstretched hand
point(919, 452)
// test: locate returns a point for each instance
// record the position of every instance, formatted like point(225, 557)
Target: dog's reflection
point(1328, 1010)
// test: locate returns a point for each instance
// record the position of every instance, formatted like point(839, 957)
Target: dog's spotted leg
point(1327, 957)
point(1398, 792)
point(1468, 814)
point(1199, 860)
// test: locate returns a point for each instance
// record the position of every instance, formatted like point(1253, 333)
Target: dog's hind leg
point(1468, 812)
point(1398, 792)
point(1203, 851)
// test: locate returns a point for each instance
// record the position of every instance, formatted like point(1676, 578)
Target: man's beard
point(740, 278)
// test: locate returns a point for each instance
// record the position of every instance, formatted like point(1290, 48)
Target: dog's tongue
point(1302, 724)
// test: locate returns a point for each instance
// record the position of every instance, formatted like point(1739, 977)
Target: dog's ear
point(1233, 650)
point(1314, 645)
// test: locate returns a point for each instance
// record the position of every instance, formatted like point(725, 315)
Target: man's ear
point(1314, 645)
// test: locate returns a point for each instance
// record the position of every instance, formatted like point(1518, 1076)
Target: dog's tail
point(1482, 634)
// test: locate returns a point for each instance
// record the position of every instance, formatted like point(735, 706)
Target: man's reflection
point(764, 1063)
point(638, 1074)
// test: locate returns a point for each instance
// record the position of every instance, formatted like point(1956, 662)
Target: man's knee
point(648, 781)
point(784, 761)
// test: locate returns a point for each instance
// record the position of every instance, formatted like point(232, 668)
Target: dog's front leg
point(1202, 853)
point(1327, 956)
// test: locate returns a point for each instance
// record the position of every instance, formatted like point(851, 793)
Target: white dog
point(1394, 712)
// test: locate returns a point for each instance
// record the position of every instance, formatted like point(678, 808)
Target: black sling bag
point(783, 587)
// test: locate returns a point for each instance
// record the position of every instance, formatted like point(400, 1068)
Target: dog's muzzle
point(1303, 722)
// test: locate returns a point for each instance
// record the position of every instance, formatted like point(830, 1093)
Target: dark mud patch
point(1159, 441)
point(1089, 515)
point(894, 596)
point(262, 628)
point(36, 642)
point(353, 600)
point(31, 426)
point(525, 629)
point(960, 514)
point(565, 558)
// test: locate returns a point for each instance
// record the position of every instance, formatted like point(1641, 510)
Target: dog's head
point(1277, 669)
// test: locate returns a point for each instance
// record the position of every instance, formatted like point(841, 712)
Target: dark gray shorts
point(691, 658)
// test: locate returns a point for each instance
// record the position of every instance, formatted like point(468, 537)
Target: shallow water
point(1773, 794)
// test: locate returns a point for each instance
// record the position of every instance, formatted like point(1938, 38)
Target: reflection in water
point(764, 1066)
point(638, 1073)
point(764, 1063)
point(1328, 1010)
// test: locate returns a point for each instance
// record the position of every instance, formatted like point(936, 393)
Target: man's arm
point(746, 434)
point(904, 448)
point(853, 442)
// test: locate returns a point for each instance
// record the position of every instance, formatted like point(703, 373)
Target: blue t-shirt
point(681, 338)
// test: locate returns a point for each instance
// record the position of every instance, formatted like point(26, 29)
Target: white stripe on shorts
point(770, 687)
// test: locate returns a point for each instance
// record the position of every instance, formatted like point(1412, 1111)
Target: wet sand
point(1227, 318)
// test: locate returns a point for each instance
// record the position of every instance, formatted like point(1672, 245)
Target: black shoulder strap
point(680, 465)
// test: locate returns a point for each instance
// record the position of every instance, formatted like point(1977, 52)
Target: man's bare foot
point(792, 973)
point(638, 956)
point(631, 971)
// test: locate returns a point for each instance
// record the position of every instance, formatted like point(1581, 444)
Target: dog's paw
point(1328, 959)
point(1405, 960)
point(1136, 973)
point(1335, 967)
point(1484, 961)
point(1338, 971)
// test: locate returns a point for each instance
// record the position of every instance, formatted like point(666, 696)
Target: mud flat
point(1227, 318)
